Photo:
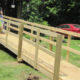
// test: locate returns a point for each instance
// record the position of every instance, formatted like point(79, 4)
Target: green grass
point(74, 58)
point(11, 70)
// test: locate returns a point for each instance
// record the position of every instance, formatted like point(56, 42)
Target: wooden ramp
point(37, 55)
point(45, 61)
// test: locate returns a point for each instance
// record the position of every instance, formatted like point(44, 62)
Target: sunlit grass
point(11, 70)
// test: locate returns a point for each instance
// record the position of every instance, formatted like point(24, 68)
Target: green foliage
point(51, 11)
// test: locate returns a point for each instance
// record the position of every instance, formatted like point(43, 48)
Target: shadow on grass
point(10, 53)
point(7, 51)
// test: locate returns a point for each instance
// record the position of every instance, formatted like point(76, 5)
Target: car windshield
point(77, 26)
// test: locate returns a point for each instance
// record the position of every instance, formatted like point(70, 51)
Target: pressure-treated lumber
point(35, 54)
point(46, 27)
point(51, 46)
point(49, 28)
point(57, 58)
point(7, 30)
point(37, 48)
point(45, 61)
point(20, 42)
point(68, 44)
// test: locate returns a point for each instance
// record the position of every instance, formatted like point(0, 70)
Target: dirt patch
point(30, 76)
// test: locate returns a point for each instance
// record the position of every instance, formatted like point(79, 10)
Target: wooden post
point(63, 37)
point(57, 57)
point(31, 38)
point(68, 44)
point(20, 42)
point(37, 48)
point(51, 46)
point(8, 24)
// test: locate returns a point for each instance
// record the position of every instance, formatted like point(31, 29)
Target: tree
point(52, 12)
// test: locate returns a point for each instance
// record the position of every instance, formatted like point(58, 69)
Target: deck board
point(67, 70)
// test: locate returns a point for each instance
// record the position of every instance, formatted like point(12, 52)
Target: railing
point(35, 32)
point(68, 33)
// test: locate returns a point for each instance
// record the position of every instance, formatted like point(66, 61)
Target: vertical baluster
point(68, 44)
point(7, 30)
point(37, 48)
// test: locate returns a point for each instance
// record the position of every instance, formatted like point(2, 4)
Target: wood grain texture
point(45, 27)
point(20, 42)
point(45, 61)
point(57, 58)
point(68, 44)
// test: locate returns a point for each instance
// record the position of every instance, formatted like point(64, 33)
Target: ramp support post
point(20, 42)
point(57, 57)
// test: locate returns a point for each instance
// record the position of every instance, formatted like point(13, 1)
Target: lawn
point(11, 70)
point(74, 59)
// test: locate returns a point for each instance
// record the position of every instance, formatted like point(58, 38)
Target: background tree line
point(51, 12)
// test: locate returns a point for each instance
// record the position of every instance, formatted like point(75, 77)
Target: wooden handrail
point(46, 27)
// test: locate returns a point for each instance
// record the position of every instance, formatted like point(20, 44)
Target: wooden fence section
point(48, 30)
point(12, 26)
point(30, 49)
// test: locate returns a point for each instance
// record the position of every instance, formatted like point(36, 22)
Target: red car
point(70, 27)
